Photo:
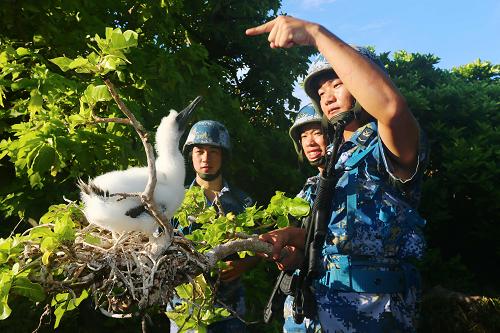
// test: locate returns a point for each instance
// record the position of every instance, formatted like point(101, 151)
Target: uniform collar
point(225, 186)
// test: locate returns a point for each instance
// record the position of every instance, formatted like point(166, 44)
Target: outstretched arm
point(362, 78)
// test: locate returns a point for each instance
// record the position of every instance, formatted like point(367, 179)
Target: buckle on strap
point(363, 276)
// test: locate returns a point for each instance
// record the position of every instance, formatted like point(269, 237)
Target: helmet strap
point(318, 162)
point(209, 176)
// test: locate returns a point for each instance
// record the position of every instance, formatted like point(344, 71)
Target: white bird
point(120, 215)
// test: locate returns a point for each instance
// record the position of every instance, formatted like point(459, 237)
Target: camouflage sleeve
point(422, 159)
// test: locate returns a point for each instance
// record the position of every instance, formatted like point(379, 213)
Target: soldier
point(365, 281)
point(209, 149)
point(310, 141)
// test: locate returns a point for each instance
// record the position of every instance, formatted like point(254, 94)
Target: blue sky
point(457, 31)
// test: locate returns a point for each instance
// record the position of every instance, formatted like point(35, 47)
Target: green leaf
point(64, 302)
point(41, 232)
point(94, 94)
point(124, 40)
point(35, 180)
point(184, 290)
point(5, 284)
point(21, 51)
point(45, 257)
point(110, 63)
point(78, 62)
point(49, 244)
point(62, 62)
point(91, 239)
point(24, 287)
point(282, 221)
point(36, 101)
point(23, 84)
point(44, 159)
point(65, 228)
point(299, 207)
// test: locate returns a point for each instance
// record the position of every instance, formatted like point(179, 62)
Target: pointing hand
point(286, 31)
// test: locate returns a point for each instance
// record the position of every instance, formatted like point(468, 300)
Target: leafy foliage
point(19, 272)
point(22, 271)
point(185, 50)
point(459, 111)
point(211, 230)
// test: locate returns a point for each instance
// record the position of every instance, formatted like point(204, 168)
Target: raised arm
point(369, 85)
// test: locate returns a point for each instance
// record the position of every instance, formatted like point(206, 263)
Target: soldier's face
point(207, 159)
point(313, 141)
point(334, 97)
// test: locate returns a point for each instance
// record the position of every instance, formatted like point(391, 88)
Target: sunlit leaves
point(5, 284)
point(111, 55)
point(10, 248)
point(65, 302)
point(212, 230)
point(24, 287)
point(479, 71)
point(58, 228)
point(203, 313)
point(13, 279)
point(92, 95)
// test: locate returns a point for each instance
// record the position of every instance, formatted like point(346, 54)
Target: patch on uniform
point(365, 136)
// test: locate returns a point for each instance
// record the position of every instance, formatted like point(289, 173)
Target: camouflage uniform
point(366, 282)
point(374, 226)
point(308, 193)
point(306, 115)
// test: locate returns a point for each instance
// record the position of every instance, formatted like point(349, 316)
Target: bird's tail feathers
point(90, 188)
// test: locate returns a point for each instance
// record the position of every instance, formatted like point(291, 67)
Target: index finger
point(261, 29)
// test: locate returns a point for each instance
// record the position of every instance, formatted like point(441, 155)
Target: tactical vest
point(364, 255)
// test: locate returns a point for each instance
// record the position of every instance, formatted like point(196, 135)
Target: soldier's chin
point(209, 176)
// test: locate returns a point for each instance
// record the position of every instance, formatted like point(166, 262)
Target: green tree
point(459, 111)
point(186, 49)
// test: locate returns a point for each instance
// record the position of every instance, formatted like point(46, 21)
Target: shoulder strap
point(366, 141)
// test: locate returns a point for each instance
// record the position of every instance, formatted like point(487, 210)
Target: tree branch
point(251, 244)
point(99, 120)
point(147, 195)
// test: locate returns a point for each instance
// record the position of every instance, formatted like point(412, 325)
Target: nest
point(125, 275)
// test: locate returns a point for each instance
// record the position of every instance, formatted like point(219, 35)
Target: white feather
point(108, 212)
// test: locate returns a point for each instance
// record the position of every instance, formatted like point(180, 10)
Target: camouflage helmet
point(306, 115)
point(321, 66)
point(208, 132)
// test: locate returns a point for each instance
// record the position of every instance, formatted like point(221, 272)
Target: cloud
point(315, 3)
point(370, 26)
point(374, 26)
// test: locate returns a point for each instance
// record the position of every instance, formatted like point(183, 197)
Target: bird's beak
point(184, 115)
